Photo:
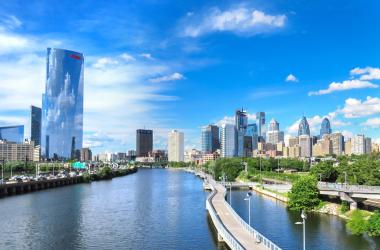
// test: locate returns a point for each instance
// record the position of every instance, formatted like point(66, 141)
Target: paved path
point(245, 238)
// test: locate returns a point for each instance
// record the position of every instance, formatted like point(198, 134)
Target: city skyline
point(162, 81)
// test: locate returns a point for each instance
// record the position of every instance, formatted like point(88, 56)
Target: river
point(151, 209)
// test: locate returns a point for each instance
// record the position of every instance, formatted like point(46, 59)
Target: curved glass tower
point(303, 127)
point(325, 127)
point(62, 104)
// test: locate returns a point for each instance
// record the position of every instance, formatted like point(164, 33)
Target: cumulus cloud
point(172, 77)
point(367, 73)
point(238, 20)
point(355, 108)
point(372, 122)
point(345, 85)
point(146, 56)
point(291, 78)
point(127, 57)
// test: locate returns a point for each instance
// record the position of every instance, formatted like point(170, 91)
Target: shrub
point(373, 227)
point(357, 225)
point(304, 194)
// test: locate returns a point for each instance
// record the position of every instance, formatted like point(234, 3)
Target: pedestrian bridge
point(231, 228)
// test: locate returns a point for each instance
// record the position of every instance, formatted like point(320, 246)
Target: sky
point(164, 65)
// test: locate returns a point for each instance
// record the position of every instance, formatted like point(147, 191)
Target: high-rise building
point(305, 144)
point(293, 141)
point(260, 121)
point(247, 146)
point(252, 131)
point(303, 127)
point(227, 140)
point(368, 145)
point(325, 127)
point(176, 146)
point(11, 151)
point(210, 139)
point(348, 146)
point(337, 142)
point(85, 154)
point(12, 133)
point(241, 123)
point(274, 135)
point(62, 104)
point(144, 142)
point(358, 145)
point(35, 125)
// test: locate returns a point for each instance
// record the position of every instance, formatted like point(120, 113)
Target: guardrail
point(222, 230)
point(349, 188)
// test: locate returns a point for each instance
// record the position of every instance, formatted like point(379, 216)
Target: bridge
point(231, 228)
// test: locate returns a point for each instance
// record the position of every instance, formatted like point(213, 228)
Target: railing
point(222, 230)
point(349, 188)
point(258, 236)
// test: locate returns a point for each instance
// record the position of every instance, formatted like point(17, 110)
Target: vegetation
point(357, 224)
point(304, 194)
point(373, 227)
point(173, 164)
point(345, 207)
point(324, 171)
point(230, 168)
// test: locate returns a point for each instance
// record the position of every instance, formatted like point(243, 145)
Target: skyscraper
point(260, 120)
point(358, 145)
point(210, 139)
point(62, 104)
point(305, 145)
point(12, 133)
point(325, 127)
point(303, 127)
point(241, 123)
point(227, 140)
point(35, 125)
point(252, 131)
point(274, 135)
point(176, 146)
point(144, 142)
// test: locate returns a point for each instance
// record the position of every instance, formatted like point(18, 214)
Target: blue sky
point(183, 64)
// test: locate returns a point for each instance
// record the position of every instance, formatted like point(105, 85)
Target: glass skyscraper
point(210, 139)
point(325, 127)
point(144, 142)
point(260, 120)
point(62, 104)
point(35, 125)
point(241, 123)
point(303, 127)
point(12, 133)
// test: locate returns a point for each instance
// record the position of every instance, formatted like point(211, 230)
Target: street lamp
point(248, 198)
point(304, 217)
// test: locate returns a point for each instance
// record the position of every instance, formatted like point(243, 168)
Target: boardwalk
point(240, 235)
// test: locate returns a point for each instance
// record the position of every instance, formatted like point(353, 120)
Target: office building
point(85, 154)
point(35, 125)
point(194, 156)
point(12, 151)
point(293, 141)
point(348, 146)
point(252, 131)
point(176, 146)
point(227, 140)
point(358, 145)
point(305, 144)
point(12, 133)
point(144, 142)
point(210, 139)
point(325, 127)
point(241, 123)
point(159, 155)
point(274, 135)
point(260, 121)
point(337, 142)
point(247, 146)
point(303, 127)
point(62, 105)
point(368, 145)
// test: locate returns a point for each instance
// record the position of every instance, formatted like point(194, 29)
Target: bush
point(373, 227)
point(304, 194)
point(357, 225)
point(345, 207)
point(105, 173)
point(326, 170)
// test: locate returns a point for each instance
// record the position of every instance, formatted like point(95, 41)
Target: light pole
point(345, 178)
point(230, 194)
point(248, 198)
point(303, 223)
point(320, 177)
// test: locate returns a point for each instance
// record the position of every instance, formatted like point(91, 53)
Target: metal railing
point(231, 241)
point(349, 188)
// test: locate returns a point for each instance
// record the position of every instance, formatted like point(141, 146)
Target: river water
point(151, 209)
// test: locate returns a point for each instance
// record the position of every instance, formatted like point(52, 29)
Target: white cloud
point(231, 119)
point(355, 108)
point(127, 57)
point(291, 78)
point(105, 61)
point(345, 85)
point(372, 122)
point(10, 22)
point(146, 56)
point(367, 73)
point(173, 77)
point(239, 20)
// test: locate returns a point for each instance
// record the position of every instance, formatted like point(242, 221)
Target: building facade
point(11, 151)
point(35, 124)
point(227, 140)
point(303, 127)
point(325, 127)
point(274, 135)
point(210, 139)
point(260, 121)
point(176, 146)
point(252, 131)
point(305, 144)
point(12, 133)
point(144, 142)
point(358, 145)
point(241, 123)
point(62, 104)
point(85, 154)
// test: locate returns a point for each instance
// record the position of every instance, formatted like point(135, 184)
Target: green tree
point(325, 170)
point(357, 225)
point(373, 227)
point(304, 194)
